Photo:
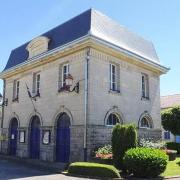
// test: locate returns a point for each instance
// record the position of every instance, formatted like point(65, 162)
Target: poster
point(46, 137)
point(22, 136)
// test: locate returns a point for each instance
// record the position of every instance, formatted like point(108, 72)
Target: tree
point(124, 137)
point(171, 120)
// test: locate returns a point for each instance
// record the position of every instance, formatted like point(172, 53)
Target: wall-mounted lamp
point(3, 103)
point(69, 83)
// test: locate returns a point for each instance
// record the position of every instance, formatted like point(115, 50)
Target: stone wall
point(51, 102)
point(128, 103)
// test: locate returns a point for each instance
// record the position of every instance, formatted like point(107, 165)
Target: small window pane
point(37, 83)
point(113, 78)
point(145, 122)
point(145, 86)
point(65, 73)
point(112, 120)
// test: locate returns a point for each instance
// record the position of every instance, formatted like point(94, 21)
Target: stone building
point(65, 89)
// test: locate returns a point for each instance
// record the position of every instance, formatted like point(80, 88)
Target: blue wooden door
point(63, 139)
point(35, 138)
point(13, 137)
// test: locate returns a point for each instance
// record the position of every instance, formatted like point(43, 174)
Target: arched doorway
point(63, 138)
point(34, 141)
point(13, 136)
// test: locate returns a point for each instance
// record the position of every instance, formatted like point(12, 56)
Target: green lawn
point(173, 168)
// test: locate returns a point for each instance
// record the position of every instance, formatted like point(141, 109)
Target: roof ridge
point(90, 22)
point(66, 21)
point(170, 95)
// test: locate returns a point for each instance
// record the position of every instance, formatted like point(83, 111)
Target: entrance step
point(37, 164)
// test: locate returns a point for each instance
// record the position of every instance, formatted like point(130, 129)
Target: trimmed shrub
point(145, 162)
point(93, 169)
point(173, 146)
point(124, 137)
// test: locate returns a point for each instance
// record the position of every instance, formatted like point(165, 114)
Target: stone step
point(35, 163)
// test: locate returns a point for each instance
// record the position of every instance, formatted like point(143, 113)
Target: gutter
point(86, 77)
point(89, 36)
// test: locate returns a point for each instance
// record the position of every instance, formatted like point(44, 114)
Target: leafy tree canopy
point(171, 120)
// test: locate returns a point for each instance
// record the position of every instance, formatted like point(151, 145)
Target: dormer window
point(37, 46)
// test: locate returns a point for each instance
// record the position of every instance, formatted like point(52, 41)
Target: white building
point(116, 79)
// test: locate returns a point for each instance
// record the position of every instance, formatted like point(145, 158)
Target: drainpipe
point(86, 68)
point(2, 120)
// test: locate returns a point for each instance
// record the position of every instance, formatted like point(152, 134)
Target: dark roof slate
point(62, 34)
point(100, 26)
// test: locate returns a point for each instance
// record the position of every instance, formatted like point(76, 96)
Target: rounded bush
point(93, 169)
point(145, 162)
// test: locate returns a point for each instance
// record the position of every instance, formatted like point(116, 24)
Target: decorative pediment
point(38, 46)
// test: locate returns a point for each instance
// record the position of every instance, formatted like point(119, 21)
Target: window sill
point(35, 96)
point(145, 98)
point(109, 126)
point(16, 100)
point(147, 128)
point(114, 92)
point(64, 89)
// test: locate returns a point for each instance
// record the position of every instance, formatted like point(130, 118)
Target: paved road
point(13, 170)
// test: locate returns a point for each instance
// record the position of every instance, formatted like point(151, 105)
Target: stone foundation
point(97, 136)
point(155, 134)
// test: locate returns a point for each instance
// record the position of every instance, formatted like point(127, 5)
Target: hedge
point(173, 146)
point(93, 169)
point(145, 162)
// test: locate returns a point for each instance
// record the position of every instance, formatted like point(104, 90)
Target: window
point(145, 123)
point(145, 86)
point(167, 135)
point(113, 78)
point(36, 84)
point(112, 120)
point(16, 90)
point(65, 72)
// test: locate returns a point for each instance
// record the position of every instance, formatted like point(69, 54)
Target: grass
point(173, 168)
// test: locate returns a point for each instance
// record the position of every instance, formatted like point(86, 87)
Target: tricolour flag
point(29, 93)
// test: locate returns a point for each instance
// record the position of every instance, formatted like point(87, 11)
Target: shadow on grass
point(178, 163)
point(131, 177)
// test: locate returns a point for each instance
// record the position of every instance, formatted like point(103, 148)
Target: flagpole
point(30, 96)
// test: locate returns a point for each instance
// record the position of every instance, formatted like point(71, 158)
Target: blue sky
point(156, 20)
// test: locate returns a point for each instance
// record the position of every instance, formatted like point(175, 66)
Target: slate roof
point(170, 101)
point(97, 24)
